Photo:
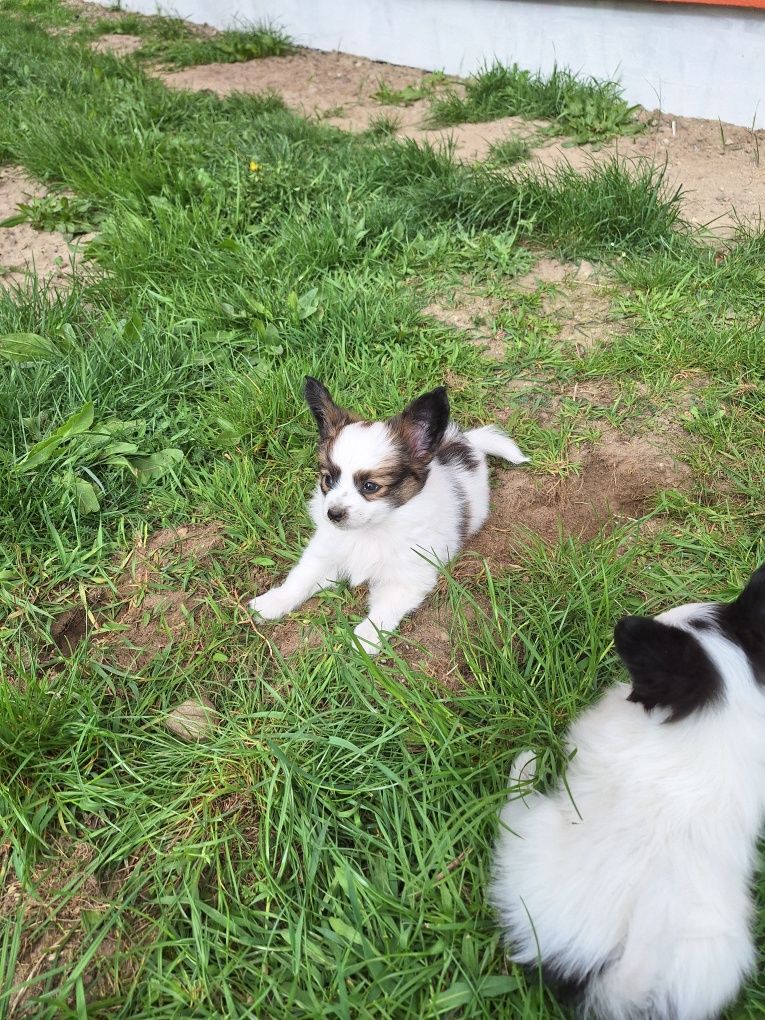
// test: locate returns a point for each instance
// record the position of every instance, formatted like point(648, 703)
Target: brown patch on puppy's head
point(416, 435)
point(330, 420)
point(395, 480)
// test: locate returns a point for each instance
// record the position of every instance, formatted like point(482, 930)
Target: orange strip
point(719, 3)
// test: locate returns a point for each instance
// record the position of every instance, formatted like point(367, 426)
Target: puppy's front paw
point(368, 636)
point(269, 606)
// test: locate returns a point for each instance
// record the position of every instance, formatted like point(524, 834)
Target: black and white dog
point(393, 498)
point(631, 885)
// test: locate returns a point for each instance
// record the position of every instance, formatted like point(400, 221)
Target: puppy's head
point(695, 655)
point(370, 469)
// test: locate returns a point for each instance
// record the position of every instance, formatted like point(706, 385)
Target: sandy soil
point(118, 44)
point(25, 251)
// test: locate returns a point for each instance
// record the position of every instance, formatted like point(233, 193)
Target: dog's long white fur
point(635, 877)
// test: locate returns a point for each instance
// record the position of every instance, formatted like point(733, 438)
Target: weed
point(383, 127)
point(71, 216)
point(409, 94)
point(584, 108)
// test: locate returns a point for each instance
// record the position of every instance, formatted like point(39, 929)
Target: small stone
point(585, 270)
point(193, 720)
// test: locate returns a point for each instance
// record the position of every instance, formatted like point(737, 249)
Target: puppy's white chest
point(372, 556)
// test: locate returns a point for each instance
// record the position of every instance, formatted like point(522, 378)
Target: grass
point(585, 109)
point(508, 151)
point(326, 851)
point(182, 47)
point(383, 127)
point(170, 42)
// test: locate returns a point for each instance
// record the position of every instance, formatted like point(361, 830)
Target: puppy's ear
point(668, 666)
point(743, 621)
point(751, 602)
point(422, 424)
point(330, 418)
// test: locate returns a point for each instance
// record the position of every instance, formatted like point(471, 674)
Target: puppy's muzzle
point(336, 515)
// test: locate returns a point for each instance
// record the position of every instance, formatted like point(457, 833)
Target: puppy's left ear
point(422, 424)
point(668, 666)
point(329, 417)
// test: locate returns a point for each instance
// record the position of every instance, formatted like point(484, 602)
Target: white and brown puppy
point(394, 498)
point(630, 883)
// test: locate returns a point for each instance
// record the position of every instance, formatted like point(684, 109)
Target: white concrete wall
point(690, 60)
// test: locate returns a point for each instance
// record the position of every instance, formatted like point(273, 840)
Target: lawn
point(324, 850)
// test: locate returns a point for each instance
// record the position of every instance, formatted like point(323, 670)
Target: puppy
point(394, 497)
point(631, 884)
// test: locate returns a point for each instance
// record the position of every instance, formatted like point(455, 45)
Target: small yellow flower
point(254, 167)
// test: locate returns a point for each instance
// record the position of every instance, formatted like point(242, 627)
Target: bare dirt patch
point(546, 271)
point(54, 911)
point(24, 251)
point(69, 629)
point(116, 43)
point(424, 642)
point(579, 299)
point(153, 605)
point(472, 142)
point(334, 86)
point(474, 313)
point(614, 483)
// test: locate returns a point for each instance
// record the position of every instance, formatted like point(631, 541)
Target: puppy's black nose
point(336, 515)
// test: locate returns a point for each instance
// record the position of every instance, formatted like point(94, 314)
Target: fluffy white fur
point(634, 884)
point(393, 549)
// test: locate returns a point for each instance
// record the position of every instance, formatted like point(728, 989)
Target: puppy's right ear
point(668, 666)
point(330, 418)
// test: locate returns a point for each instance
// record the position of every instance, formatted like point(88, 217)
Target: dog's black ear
point(330, 418)
point(751, 602)
point(422, 424)
point(668, 666)
point(743, 621)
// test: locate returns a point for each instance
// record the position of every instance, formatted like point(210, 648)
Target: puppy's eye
point(370, 487)
point(327, 480)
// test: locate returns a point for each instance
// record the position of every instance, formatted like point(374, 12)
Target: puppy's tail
point(493, 441)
